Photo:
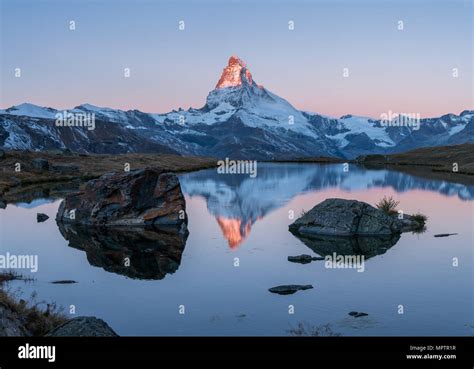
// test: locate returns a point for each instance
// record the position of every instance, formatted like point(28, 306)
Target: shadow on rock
point(137, 253)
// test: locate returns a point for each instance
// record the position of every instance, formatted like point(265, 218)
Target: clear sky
point(401, 71)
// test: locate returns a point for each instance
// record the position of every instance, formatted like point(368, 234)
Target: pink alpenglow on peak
point(232, 74)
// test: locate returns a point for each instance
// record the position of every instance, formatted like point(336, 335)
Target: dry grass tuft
point(388, 205)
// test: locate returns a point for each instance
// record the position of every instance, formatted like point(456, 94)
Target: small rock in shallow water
point(357, 314)
point(445, 234)
point(40, 217)
point(66, 281)
point(303, 259)
point(289, 289)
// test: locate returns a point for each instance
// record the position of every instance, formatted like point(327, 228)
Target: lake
point(217, 283)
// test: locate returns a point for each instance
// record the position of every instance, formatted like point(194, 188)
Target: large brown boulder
point(143, 197)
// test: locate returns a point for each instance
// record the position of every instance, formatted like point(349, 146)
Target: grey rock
point(2, 154)
point(340, 217)
point(83, 327)
point(3, 204)
point(303, 259)
point(40, 164)
point(445, 234)
point(64, 281)
point(289, 289)
point(357, 314)
point(40, 217)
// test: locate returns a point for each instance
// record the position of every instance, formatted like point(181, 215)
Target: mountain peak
point(234, 74)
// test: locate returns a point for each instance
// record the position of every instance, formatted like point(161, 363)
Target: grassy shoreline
point(429, 162)
point(432, 162)
point(26, 318)
point(88, 166)
point(450, 163)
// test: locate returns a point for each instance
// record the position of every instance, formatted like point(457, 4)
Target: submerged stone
point(289, 289)
point(303, 259)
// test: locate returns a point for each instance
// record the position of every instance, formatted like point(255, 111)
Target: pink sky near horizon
point(409, 71)
point(336, 96)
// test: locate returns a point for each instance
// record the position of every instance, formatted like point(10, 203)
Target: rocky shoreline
point(20, 318)
point(26, 172)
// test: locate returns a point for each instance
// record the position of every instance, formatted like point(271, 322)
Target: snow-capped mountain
point(240, 119)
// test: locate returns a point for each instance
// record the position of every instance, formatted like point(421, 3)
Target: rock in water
point(445, 234)
point(357, 314)
point(303, 259)
point(64, 281)
point(143, 197)
point(289, 289)
point(40, 217)
point(84, 326)
point(340, 217)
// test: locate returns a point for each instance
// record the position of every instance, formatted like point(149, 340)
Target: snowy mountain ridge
point(240, 119)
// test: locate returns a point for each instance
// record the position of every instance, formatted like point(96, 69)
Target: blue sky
point(403, 71)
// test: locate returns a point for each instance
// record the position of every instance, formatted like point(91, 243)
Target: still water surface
point(247, 218)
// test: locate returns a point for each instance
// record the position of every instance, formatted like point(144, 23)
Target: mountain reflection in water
point(238, 201)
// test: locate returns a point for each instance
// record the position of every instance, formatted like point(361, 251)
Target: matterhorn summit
point(235, 72)
point(238, 95)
